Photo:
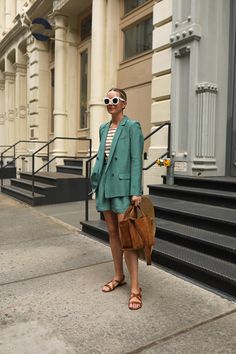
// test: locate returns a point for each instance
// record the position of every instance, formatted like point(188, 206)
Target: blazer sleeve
point(136, 156)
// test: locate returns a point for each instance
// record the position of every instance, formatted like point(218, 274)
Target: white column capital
point(22, 68)
point(9, 76)
point(61, 21)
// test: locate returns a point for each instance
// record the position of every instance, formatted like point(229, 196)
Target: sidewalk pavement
point(51, 303)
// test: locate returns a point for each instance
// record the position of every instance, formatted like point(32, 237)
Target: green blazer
point(123, 171)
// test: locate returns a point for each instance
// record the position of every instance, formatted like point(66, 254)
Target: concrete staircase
point(65, 185)
point(196, 230)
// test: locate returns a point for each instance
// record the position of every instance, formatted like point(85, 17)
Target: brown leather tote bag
point(136, 231)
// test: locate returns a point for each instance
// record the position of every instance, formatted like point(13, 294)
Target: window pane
point(83, 88)
point(132, 4)
point(138, 38)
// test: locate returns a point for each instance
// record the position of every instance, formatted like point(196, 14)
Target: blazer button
point(115, 158)
point(112, 174)
point(97, 158)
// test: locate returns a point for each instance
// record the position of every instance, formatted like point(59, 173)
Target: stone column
point(97, 109)
point(112, 40)
point(60, 113)
point(21, 102)
point(2, 112)
point(37, 79)
point(10, 106)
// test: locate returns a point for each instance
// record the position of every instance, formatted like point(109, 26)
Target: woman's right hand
point(136, 200)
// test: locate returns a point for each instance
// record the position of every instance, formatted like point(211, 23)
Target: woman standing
point(117, 181)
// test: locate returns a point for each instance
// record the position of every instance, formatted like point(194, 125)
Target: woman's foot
point(135, 300)
point(113, 284)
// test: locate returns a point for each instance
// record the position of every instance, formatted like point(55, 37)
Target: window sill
point(136, 58)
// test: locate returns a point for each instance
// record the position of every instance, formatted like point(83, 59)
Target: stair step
point(73, 162)
point(28, 183)
point(199, 195)
point(206, 269)
point(214, 182)
point(7, 172)
point(96, 228)
point(174, 231)
point(24, 195)
point(70, 169)
point(170, 255)
point(50, 177)
point(204, 237)
point(201, 215)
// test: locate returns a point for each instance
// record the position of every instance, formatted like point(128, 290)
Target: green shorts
point(117, 204)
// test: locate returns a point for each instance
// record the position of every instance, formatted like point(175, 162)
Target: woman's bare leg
point(131, 260)
point(116, 250)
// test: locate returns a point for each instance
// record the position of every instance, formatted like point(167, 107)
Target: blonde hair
point(121, 92)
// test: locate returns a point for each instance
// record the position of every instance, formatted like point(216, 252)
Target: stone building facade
point(175, 59)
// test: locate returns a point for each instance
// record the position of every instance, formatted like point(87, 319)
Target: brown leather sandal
point(115, 284)
point(134, 296)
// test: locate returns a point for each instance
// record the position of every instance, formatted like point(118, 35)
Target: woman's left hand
point(136, 200)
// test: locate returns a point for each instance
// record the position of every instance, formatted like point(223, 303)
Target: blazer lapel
point(103, 144)
point(115, 139)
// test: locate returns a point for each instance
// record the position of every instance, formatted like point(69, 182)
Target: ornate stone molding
point(186, 35)
point(11, 114)
point(206, 116)
point(9, 76)
point(20, 67)
point(2, 118)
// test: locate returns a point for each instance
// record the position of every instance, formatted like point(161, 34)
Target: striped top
point(110, 136)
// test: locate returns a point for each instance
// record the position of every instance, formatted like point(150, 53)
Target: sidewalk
point(51, 303)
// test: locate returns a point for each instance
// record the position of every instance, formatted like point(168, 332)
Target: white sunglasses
point(112, 101)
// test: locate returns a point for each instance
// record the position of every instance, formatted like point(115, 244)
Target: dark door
point(231, 128)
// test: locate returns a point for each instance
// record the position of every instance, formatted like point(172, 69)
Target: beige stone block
point(160, 111)
point(34, 82)
point(43, 60)
point(33, 57)
point(33, 120)
point(159, 140)
point(161, 35)
point(162, 10)
point(33, 69)
point(161, 61)
point(43, 88)
point(161, 86)
point(136, 73)
point(43, 118)
point(33, 107)
point(33, 94)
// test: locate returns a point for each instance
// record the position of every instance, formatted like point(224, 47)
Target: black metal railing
point(168, 152)
point(88, 163)
point(14, 157)
point(47, 145)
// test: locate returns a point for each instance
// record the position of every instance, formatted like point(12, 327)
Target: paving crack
point(176, 334)
point(54, 273)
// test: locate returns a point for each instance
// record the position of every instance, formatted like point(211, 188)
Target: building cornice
point(38, 8)
point(11, 36)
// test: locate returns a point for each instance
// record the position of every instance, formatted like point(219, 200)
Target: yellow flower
point(164, 162)
point(167, 163)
